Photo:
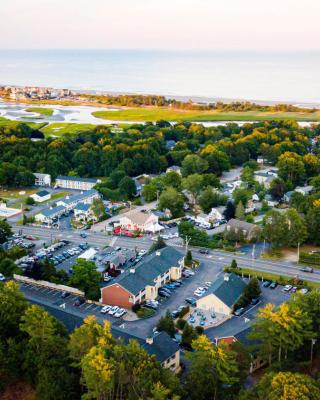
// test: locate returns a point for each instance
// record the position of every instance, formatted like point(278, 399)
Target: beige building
point(222, 295)
point(75, 182)
point(243, 229)
point(140, 221)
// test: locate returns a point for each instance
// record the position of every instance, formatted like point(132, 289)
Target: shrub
point(184, 311)
point(181, 323)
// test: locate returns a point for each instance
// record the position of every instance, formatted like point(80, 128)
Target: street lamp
point(313, 342)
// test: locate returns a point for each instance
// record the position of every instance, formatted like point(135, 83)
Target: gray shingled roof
point(48, 212)
point(82, 207)
point(153, 266)
point(79, 197)
point(42, 193)
point(229, 290)
point(77, 178)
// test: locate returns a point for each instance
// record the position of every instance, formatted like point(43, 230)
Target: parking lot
point(52, 298)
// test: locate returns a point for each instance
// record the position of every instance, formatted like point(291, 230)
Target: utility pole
point(298, 251)
point(313, 342)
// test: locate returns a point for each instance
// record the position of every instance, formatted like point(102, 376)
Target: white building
point(87, 197)
point(82, 211)
point(41, 196)
point(75, 182)
point(139, 221)
point(304, 190)
point(88, 254)
point(48, 215)
point(215, 215)
point(174, 168)
point(42, 179)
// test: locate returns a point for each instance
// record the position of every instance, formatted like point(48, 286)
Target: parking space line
point(56, 293)
point(89, 306)
point(82, 305)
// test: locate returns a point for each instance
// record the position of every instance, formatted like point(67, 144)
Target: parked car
point(83, 235)
point(175, 314)
point(306, 269)
point(303, 291)
point(163, 294)
point(266, 283)
point(191, 300)
point(2, 277)
point(120, 313)
point(287, 288)
point(255, 301)
point(79, 301)
point(65, 294)
point(239, 312)
point(273, 285)
point(105, 309)
point(294, 289)
point(113, 310)
point(204, 251)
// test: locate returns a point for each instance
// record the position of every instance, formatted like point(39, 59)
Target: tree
point(275, 228)
point(149, 191)
point(311, 164)
point(8, 267)
point(194, 184)
point(242, 195)
point(234, 264)
point(240, 211)
point(197, 237)
point(86, 278)
point(285, 386)
point(210, 198)
point(297, 230)
point(291, 168)
point(229, 211)
point(166, 324)
point(159, 244)
point(193, 164)
point(188, 258)
point(98, 208)
point(5, 231)
point(173, 201)
point(247, 176)
point(172, 179)
point(252, 290)
point(277, 189)
point(188, 335)
point(211, 368)
point(30, 201)
point(313, 223)
point(127, 187)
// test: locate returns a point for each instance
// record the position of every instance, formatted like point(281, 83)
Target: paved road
point(283, 268)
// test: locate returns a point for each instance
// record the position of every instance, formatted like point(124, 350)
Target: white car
point(2, 277)
point(113, 310)
point(120, 313)
point(188, 271)
point(199, 293)
point(303, 291)
point(287, 288)
point(105, 309)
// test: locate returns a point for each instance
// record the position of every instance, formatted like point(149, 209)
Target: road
point(97, 239)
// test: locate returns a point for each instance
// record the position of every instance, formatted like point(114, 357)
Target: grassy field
point(61, 128)
point(33, 125)
point(15, 193)
point(45, 112)
point(169, 114)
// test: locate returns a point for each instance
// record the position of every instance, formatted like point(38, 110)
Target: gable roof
point(138, 217)
point(228, 291)
point(78, 197)
point(42, 193)
point(237, 223)
point(76, 178)
point(145, 272)
point(48, 212)
point(82, 207)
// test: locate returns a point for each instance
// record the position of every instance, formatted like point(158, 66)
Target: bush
point(184, 311)
point(199, 330)
point(181, 323)
point(29, 201)
point(309, 258)
point(136, 307)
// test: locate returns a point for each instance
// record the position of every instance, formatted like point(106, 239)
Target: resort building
point(42, 179)
point(76, 183)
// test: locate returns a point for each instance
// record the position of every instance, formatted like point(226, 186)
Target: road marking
point(89, 306)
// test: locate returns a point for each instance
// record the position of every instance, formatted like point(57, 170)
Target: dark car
point(239, 312)
point(273, 285)
point(79, 301)
point(163, 294)
point(65, 294)
point(191, 300)
point(306, 269)
point(255, 301)
point(175, 314)
point(266, 284)
point(204, 251)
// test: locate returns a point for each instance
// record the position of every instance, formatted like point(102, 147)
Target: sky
point(160, 24)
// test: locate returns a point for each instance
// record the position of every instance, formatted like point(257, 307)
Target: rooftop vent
point(132, 270)
point(226, 277)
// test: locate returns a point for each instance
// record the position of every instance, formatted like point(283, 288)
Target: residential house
point(86, 197)
point(75, 182)
point(139, 221)
point(82, 211)
point(304, 190)
point(42, 179)
point(48, 215)
point(242, 228)
point(215, 215)
point(41, 196)
point(142, 282)
point(174, 168)
point(270, 201)
point(222, 295)
point(266, 176)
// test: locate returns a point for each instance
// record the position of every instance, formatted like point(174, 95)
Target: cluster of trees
point(90, 363)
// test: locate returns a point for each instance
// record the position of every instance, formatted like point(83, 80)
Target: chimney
point(158, 253)
point(132, 270)
point(149, 340)
point(226, 277)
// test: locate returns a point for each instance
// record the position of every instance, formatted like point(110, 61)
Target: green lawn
point(169, 114)
point(61, 128)
point(45, 112)
point(9, 123)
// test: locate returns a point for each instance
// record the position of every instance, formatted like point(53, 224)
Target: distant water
point(244, 75)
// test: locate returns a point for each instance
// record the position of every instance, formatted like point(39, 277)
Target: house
point(83, 211)
point(139, 221)
point(86, 197)
point(48, 215)
point(166, 350)
point(242, 228)
point(75, 182)
point(215, 215)
point(41, 196)
point(304, 190)
point(255, 197)
point(287, 196)
point(117, 259)
point(42, 179)
point(174, 168)
point(223, 294)
point(170, 144)
point(142, 282)
point(270, 201)
point(266, 176)
point(202, 219)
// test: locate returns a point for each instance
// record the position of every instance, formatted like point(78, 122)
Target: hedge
point(309, 258)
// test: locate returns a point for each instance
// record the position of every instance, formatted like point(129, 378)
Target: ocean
point(267, 76)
